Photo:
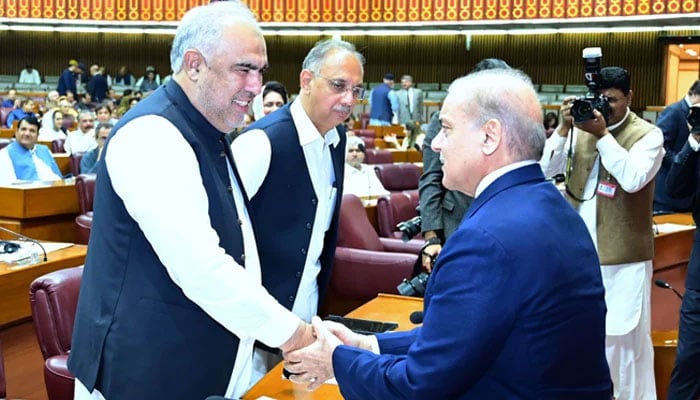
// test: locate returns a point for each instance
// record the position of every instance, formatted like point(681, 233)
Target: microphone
point(663, 284)
point(416, 317)
point(25, 238)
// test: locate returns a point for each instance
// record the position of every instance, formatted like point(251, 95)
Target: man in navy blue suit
point(672, 122)
point(514, 308)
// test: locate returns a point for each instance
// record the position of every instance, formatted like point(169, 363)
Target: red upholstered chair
point(365, 264)
point(364, 120)
point(369, 142)
point(398, 177)
point(365, 133)
point(57, 146)
point(4, 112)
point(4, 142)
point(54, 298)
point(85, 186)
point(378, 156)
point(75, 162)
point(3, 384)
point(394, 208)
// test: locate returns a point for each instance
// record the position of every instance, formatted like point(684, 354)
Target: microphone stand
point(25, 238)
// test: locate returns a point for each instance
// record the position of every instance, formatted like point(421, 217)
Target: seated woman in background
point(52, 126)
point(274, 96)
point(551, 120)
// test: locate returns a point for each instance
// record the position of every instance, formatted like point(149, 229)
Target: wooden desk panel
point(15, 281)
point(63, 160)
point(44, 213)
point(7, 133)
point(384, 307)
point(20, 201)
point(665, 347)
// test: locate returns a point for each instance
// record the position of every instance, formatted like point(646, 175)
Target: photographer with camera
point(610, 158)
point(683, 181)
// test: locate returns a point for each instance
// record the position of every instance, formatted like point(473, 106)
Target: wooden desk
point(384, 307)
point(7, 133)
point(63, 160)
point(411, 155)
point(15, 281)
point(40, 212)
point(671, 256)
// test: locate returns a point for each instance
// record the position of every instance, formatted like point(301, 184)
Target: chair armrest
point(362, 274)
point(60, 382)
point(413, 246)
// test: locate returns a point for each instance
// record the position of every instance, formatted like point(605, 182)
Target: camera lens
point(414, 287)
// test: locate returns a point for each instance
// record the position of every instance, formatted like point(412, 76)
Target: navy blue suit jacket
point(514, 309)
point(672, 122)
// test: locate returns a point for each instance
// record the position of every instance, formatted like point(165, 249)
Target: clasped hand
point(313, 364)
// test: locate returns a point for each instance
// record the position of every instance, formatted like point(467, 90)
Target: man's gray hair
point(506, 95)
point(314, 59)
point(201, 28)
point(87, 112)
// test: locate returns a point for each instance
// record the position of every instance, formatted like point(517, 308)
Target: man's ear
point(493, 135)
point(192, 63)
point(305, 78)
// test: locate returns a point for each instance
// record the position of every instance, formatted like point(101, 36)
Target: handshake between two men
point(313, 365)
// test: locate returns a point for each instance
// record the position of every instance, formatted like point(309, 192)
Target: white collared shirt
point(252, 153)
point(77, 141)
point(7, 169)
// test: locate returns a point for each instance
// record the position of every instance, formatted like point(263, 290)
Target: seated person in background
point(24, 159)
point(26, 109)
point(30, 75)
point(85, 102)
point(150, 81)
point(103, 113)
point(90, 158)
point(52, 127)
point(9, 100)
point(124, 77)
point(350, 125)
point(274, 96)
point(360, 179)
point(551, 120)
point(83, 138)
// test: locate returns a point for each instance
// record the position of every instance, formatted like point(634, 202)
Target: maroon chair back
point(369, 133)
point(75, 162)
point(4, 113)
point(398, 177)
point(354, 229)
point(85, 186)
point(369, 142)
point(364, 120)
point(68, 122)
point(54, 299)
point(378, 156)
point(3, 384)
point(395, 208)
point(57, 146)
point(4, 142)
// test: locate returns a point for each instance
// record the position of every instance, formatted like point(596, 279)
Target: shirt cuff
point(278, 329)
point(693, 143)
point(374, 344)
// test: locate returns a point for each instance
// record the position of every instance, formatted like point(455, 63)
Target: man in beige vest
point(610, 180)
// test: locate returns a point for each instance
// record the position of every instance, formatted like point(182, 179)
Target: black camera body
point(410, 228)
point(415, 287)
point(694, 120)
point(583, 106)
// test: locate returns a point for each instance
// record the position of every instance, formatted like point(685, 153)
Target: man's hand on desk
point(313, 365)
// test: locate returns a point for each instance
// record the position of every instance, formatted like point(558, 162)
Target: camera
point(583, 106)
point(410, 228)
point(694, 120)
point(415, 287)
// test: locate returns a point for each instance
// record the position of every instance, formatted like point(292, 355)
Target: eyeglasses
point(339, 86)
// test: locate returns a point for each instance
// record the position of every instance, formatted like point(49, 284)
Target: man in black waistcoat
point(292, 166)
point(171, 301)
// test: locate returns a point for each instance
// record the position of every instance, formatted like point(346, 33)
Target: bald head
point(505, 95)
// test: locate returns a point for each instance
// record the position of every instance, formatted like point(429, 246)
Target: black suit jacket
point(441, 209)
point(672, 122)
